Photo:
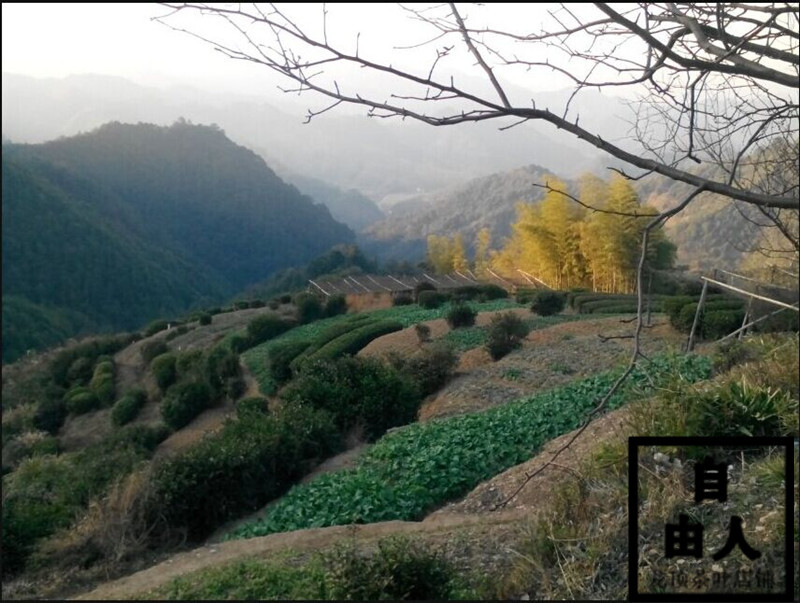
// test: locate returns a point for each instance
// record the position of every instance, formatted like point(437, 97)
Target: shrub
point(423, 332)
point(490, 291)
point(205, 319)
point(60, 365)
point(422, 286)
point(128, 406)
point(465, 293)
point(241, 468)
point(685, 319)
point(183, 402)
point(274, 304)
point(280, 357)
point(80, 371)
point(460, 315)
point(241, 305)
point(151, 349)
point(191, 366)
point(235, 387)
point(249, 407)
point(221, 365)
point(403, 299)
point(430, 299)
point(335, 305)
point(354, 340)
point(163, 369)
point(258, 303)
point(399, 570)
point(430, 367)
point(358, 392)
point(82, 402)
point(102, 383)
point(506, 332)
point(308, 307)
point(524, 295)
point(239, 343)
point(718, 323)
point(547, 303)
point(154, 327)
point(50, 414)
point(285, 299)
point(265, 327)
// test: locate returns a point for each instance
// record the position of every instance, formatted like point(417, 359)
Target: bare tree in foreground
point(716, 84)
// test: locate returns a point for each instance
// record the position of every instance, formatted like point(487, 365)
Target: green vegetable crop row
point(409, 472)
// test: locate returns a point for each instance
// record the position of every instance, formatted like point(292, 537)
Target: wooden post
point(745, 326)
point(690, 343)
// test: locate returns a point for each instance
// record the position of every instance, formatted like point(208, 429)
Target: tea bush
point(506, 332)
point(265, 327)
point(308, 307)
point(352, 341)
point(460, 315)
point(151, 349)
point(431, 299)
point(128, 406)
point(335, 305)
point(358, 392)
point(547, 303)
point(183, 402)
point(163, 369)
point(242, 467)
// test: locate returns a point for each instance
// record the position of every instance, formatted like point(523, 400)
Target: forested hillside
point(482, 202)
point(131, 222)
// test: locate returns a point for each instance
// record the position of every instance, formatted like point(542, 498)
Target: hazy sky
point(56, 40)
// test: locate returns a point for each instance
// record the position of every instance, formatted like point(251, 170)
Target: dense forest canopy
point(131, 222)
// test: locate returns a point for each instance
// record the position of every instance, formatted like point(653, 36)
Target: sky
point(56, 40)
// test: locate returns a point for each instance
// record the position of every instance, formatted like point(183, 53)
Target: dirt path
point(549, 358)
point(133, 586)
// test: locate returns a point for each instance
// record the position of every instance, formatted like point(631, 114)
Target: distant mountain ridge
point(377, 157)
point(488, 202)
point(131, 222)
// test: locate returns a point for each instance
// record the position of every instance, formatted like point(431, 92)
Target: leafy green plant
point(512, 374)
point(410, 471)
point(404, 299)
point(205, 319)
